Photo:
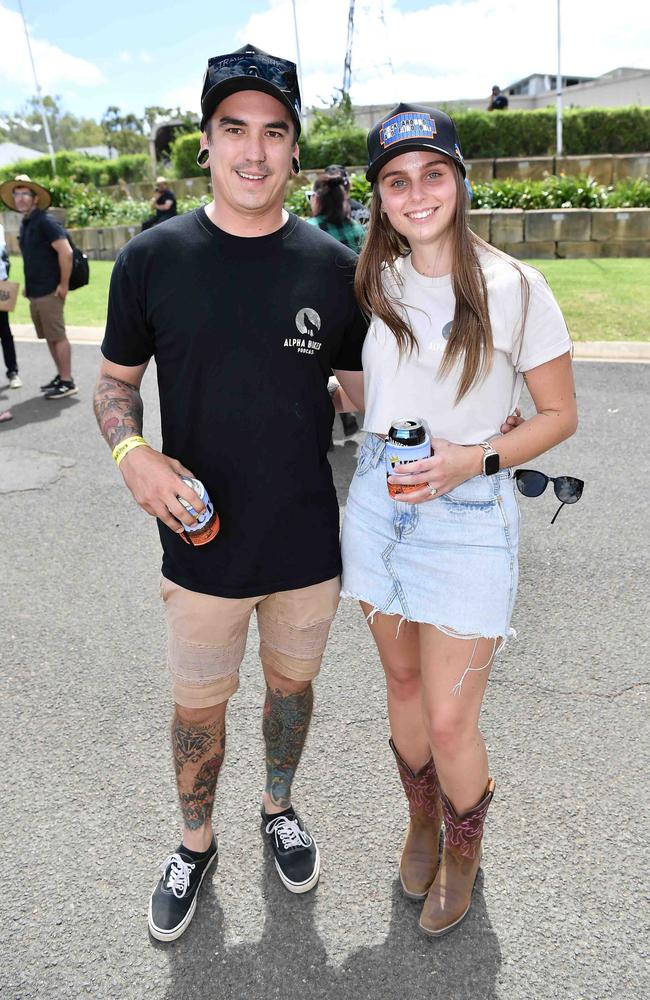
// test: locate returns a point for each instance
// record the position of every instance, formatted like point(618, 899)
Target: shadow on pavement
point(33, 410)
point(290, 959)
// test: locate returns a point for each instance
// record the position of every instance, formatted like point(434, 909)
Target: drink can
point(407, 441)
point(207, 524)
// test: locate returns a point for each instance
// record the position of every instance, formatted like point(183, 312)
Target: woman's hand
point(449, 466)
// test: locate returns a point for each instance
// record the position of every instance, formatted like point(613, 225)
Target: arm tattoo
point(285, 724)
point(118, 409)
point(198, 755)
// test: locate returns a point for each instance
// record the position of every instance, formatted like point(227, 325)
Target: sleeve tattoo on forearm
point(118, 409)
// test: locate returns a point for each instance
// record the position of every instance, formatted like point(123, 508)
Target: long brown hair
point(471, 333)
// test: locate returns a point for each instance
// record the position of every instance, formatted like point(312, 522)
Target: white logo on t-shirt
point(308, 323)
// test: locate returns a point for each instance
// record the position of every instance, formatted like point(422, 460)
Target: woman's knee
point(450, 731)
point(403, 680)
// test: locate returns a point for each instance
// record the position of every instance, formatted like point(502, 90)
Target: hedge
point(82, 168)
point(585, 132)
point(483, 135)
point(183, 153)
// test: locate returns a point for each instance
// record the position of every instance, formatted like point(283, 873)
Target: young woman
point(456, 328)
point(331, 211)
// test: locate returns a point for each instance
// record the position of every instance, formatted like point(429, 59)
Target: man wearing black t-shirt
point(47, 259)
point(246, 310)
point(163, 202)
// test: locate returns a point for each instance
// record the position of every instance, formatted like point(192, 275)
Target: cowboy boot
point(421, 851)
point(450, 895)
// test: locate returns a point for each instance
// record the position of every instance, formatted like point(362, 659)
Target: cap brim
point(7, 189)
point(224, 89)
point(415, 146)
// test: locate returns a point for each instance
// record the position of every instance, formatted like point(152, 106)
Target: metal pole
point(558, 81)
point(46, 127)
point(299, 64)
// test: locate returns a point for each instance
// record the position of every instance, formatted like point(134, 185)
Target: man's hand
point(61, 291)
point(153, 479)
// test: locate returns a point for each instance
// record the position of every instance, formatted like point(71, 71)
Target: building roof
point(11, 151)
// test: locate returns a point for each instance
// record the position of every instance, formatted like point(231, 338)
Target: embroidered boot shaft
point(421, 851)
point(450, 896)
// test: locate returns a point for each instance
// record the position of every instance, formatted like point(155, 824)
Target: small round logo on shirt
point(308, 321)
point(446, 330)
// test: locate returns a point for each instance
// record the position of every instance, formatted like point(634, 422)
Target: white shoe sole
point(162, 935)
point(61, 395)
point(305, 886)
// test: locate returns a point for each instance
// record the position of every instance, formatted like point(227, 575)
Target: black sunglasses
point(532, 484)
point(281, 76)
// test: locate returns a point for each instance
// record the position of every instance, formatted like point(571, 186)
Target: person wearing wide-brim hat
point(47, 258)
point(163, 204)
point(43, 196)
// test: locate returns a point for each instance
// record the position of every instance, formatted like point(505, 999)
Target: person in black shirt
point(498, 100)
point(47, 257)
point(246, 310)
point(163, 202)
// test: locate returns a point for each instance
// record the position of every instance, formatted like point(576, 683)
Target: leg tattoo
point(285, 725)
point(198, 755)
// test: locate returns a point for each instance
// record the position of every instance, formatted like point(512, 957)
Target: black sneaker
point(52, 384)
point(174, 899)
point(61, 390)
point(296, 854)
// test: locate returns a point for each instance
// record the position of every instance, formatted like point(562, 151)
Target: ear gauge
point(202, 157)
point(295, 165)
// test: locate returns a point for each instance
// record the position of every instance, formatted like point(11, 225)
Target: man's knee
point(288, 673)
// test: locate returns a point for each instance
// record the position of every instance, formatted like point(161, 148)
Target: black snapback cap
point(410, 127)
point(249, 68)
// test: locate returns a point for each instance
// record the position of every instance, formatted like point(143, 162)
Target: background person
point(265, 301)
point(6, 337)
point(456, 328)
point(47, 258)
point(498, 100)
point(330, 210)
point(358, 211)
point(163, 202)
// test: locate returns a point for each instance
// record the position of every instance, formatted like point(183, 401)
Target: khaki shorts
point(207, 637)
point(47, 317)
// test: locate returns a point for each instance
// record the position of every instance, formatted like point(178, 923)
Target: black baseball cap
point(250, 69)
point(410, 127)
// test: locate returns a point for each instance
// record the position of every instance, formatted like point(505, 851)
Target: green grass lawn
point(601, 299)
point(85, 307)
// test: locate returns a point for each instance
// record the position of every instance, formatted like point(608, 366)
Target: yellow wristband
point(124, 447)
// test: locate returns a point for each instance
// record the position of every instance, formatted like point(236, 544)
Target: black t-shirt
point(37, 233)
point(244, 333)
point(166, 195)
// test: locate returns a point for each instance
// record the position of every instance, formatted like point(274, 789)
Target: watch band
point(491, 460)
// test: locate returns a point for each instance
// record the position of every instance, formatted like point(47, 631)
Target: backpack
point(80, 274)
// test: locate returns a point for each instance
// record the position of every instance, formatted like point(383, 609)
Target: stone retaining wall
point(567, 232)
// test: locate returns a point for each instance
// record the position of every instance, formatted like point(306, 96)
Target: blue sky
point(146, 52)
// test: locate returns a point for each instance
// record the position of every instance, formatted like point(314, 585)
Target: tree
point(25, 126)
point(125, 133)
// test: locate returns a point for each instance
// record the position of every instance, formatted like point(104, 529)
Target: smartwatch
point(491, 463)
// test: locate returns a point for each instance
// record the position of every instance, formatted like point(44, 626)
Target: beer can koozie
point(207, 524)
point(407, 441)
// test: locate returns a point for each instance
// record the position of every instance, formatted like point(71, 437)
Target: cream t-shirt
point(408, 386)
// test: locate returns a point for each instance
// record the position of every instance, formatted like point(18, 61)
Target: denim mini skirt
point(450, 562)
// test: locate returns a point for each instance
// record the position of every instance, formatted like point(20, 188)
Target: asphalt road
point(88, 803)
